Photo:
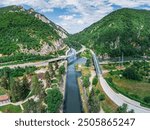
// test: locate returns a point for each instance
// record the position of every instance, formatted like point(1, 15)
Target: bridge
point(42, 63)
point(117, 98)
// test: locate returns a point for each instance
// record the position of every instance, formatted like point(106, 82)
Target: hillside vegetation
point(123, 31)
point(24, 31)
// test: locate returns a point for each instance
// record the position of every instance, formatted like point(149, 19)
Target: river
point(72, 102)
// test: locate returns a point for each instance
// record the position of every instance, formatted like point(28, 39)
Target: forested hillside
point(123, 31)
point(24, 32)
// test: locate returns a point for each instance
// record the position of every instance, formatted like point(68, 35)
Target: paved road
point(117, 98)
point(20, 102)
point(41, 63)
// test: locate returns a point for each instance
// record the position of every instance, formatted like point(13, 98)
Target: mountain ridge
point(122, 31)
point(28, 32)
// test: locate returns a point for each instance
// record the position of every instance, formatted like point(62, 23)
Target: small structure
point(4, 99)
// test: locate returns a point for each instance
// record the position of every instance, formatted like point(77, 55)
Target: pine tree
point(94, 104)
point(30, 107)
point(24, 87)
point(36, 85)
point(51, 70)
point(4, 82)
point(48, 79)
point(14, 88)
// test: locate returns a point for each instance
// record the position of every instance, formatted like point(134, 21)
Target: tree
point(131, 73)
point(51, 70)
point(101, 97)
point(15, 89)
point(86, 81)
point(94, 104)
point(62, 69)
point(48, 79)
point(147, 99)
point(131, 111)
point(30, 107)
point(25, 87)
point(124, 109)
point(4, 82)
point(95, 81)
point(54, 100)
point(88, 62)
point(36, 85)
point(19, 90)
point(12, 89)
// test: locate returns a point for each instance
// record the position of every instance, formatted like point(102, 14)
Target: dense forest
point(21, 28)
point(123, 31)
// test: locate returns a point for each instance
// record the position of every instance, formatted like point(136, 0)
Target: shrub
point(101, 97)
point(95, 81)
point(131, 73)
point(147, 99)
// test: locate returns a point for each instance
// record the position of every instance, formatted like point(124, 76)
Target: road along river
point(117, 98)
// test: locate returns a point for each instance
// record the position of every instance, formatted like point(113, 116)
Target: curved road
point(117, 98)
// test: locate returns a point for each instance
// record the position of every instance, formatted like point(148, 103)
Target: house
point(4, 99)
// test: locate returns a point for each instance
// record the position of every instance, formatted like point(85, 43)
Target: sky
point(76, 15)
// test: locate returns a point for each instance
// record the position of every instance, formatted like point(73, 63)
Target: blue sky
point(75, 15)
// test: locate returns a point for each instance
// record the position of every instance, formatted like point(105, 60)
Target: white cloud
point(130, 3)
point(46, 10)
point(88, 11)
point(66, 17)
point(37, 4)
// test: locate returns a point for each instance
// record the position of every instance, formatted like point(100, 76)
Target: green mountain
point(123, 31)
point(24, 32)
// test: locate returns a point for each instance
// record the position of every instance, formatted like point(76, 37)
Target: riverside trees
point(54, 100)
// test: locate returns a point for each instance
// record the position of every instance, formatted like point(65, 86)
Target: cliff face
point(61, 32)
point(28, 32)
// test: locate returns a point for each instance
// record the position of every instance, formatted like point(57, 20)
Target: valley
point(103, 69)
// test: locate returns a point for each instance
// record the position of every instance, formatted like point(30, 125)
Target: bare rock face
point(42, 18)
point(58, 44)
point(45, 48)
point(61, 32)
point(114, 45)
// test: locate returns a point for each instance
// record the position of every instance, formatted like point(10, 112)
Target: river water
point(72, 102)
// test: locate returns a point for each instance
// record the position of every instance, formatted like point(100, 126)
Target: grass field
point(107, 105)
point(10, 109)
point(135, 90)
point(85, 71)
point(134, 87)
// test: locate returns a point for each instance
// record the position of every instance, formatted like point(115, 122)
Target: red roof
point(4, 97)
